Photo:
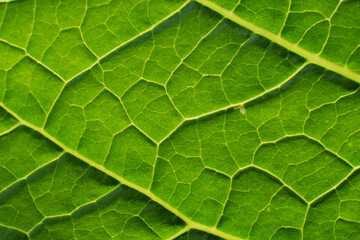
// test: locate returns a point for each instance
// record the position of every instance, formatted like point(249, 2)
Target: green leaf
point(206, 119)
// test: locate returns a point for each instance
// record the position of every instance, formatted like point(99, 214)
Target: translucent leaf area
point(174, 119)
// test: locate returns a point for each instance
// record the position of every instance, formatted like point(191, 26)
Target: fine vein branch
point(311, 57)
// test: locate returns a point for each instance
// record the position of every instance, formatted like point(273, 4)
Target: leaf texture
point(207, 119)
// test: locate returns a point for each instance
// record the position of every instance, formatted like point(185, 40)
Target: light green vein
point(147, 192)
point(311, 57)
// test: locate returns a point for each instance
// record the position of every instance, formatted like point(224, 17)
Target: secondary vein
point(147, 192)
point(311, 57)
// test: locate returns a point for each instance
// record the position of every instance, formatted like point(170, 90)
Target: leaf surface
point(179, 119)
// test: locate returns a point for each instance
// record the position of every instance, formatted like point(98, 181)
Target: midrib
point(311, 57)
point(191, 224)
